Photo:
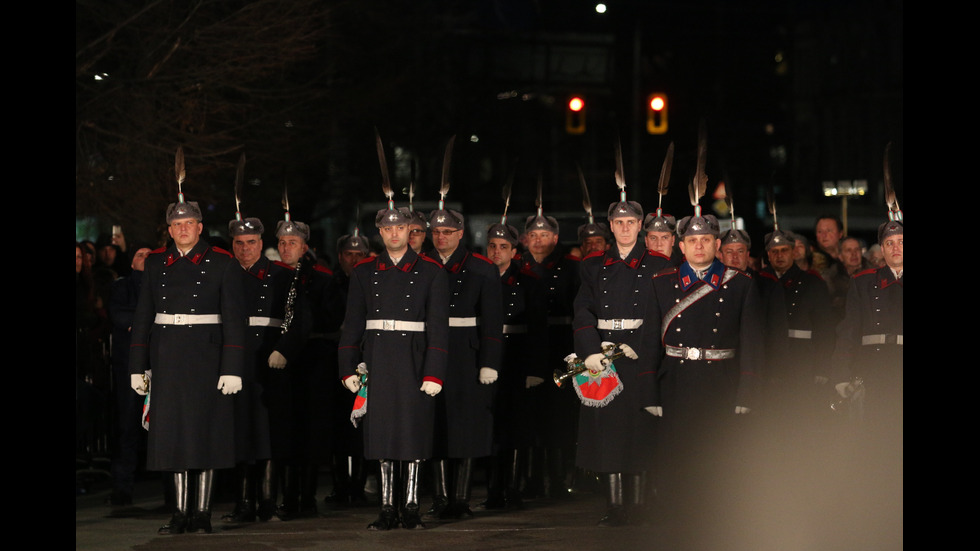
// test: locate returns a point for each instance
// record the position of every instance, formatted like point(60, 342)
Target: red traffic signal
point(575, 115)
point(657, 113)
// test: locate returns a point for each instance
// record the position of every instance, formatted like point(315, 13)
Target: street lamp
point(844, 189)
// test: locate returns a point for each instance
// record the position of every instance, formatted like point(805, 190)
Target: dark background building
point(792, 94)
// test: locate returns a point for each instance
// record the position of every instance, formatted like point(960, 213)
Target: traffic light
point(575, 115)
point(657, 113)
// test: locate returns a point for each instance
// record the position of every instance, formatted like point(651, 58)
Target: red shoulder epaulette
point(866, 272)
point(652, 252)
point(365, 260)
point(283, 264)
point(667, 271)
point(572, 257)
point(322, 268)
point(222, 251)
point(429, 259)
point(158, 251)
point(594, 253)
point(481, 257)
point(811, 271)
point(768, 275)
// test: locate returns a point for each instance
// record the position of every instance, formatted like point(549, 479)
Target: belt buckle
point(617, 325)
point(388, 325)
point(178, 319)
point(693, 354)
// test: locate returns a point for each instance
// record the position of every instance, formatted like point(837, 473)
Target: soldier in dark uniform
point(263, 410)
point(189, 330)
point(464, 411)
point(800, 376)
point(129, 438)
point(615, 297)
point(418, 230)
point(709, 322)
point(524, 345)
point(660, 236)
point(554, 411)
point(348, 466)
point(312, 372)
point(397, 326)
point(593, 237)
point(735, 247)
point(869, 361)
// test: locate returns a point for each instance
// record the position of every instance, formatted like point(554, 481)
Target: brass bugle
point(560, 376)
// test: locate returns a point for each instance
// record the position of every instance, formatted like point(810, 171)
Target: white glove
point(229, 384)
point(596, 362)
point(741, 410)
point(353, 383)
point(136, 382)
point(532, 381)
point(656, 411)
point(820, 379)
point(844, 389)
point(431, 388)
point(487, 375)
point(628, 351)
point(277, 360)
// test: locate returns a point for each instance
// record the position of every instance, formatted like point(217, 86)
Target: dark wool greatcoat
point(348, 440)
point(314, 373)
point(875, 306)
point(191, 421)
point(263, 408)
point(555, 410)
point(464, 409)
point(399, 421)
point(525, 343)
point(615, 437)
point(696, 435)
point(868, 347)
point(806, 351)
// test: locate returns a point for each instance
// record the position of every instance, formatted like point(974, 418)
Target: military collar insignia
point(712, 277)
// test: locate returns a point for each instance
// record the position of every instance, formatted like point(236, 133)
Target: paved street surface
point(773, 511)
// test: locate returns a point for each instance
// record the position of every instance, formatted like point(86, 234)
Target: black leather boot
point(244, 510)
point(411, 517)
point(459, 507)
point(178, 522)
point(340, 474)
point(200, 521)
point(636, 505)
point(513, 476)
point(358, 479)
point(496, 483)
point(440, 497)
point(309, 481)
point(388, 518)
point(268, 491)
point(289, 509)
point(616, 512)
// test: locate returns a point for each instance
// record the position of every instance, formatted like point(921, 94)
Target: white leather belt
point(187, 319)
point(882, 339)
point(463, 322)
point(395, 325)
point(511, 329)
point(618, 324)
point(800, 334)
point(259, 321)
point(700, 353)
point(559, 320)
